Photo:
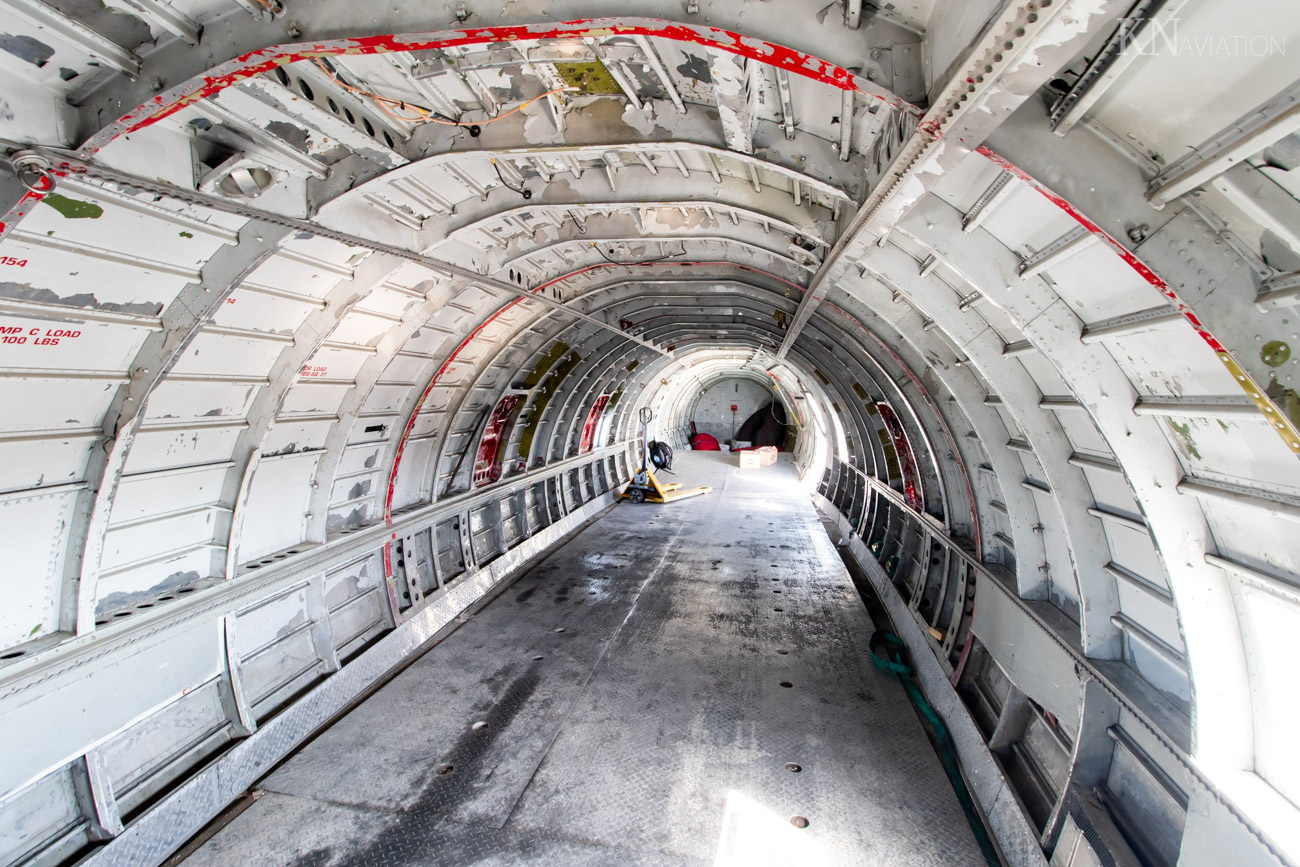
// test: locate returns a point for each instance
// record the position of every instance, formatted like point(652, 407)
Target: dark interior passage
point(638, 697)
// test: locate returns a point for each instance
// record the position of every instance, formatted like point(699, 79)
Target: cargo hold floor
point(673, 685)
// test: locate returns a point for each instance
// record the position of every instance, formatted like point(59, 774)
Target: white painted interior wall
point(255, 402)
point(713, 412)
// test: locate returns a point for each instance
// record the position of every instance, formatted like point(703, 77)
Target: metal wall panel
point(45, 819)
point(275, 513)
point(94, 708)
point(146, 757)
point(32, 526)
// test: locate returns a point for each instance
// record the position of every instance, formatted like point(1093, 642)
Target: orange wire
point(423, 114)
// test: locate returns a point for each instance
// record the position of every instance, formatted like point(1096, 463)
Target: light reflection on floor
point(755, 836)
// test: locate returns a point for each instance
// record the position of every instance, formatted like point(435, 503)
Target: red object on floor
point(705, 443)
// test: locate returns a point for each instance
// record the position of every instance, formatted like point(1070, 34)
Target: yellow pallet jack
point(644, 487)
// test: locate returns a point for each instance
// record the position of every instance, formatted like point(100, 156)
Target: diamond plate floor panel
point(655, 727)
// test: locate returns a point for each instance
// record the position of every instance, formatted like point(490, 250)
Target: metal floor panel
point(655, 727)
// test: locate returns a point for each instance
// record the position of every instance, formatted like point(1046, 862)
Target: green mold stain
point(186, 235)
point(1185, 432)
point(73, 209)
point(552, 355)
point(1275, 353)
point(544, 395)
point(892, 465)
point(35, 629)
point(613, 399)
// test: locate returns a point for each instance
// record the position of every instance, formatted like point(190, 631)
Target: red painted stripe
point(1133, 261)
point(267, 59)
point(943, 423)
point(410, 422)
point(24, 206)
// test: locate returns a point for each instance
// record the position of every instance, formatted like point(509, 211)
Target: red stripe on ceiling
point(1270, 410)
point(410, 422)
point(1133, 261)
point(934, 408)
point(24, 206)
point(267, 59)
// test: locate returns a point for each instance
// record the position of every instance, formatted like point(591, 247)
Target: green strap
point(888, 654)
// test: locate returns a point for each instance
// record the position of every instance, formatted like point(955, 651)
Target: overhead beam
point(734, 90)
point(1153, 642)
point(1254, 131)
point(1279, 291)
point(657, 66)
point(1138, 582)
point(1094, 462)
point(1069, 244)
point(1132, 323)
point(616, 71)
point(1119, 518)
point(853, 14)
point(164, 15)
point(1262, 199)
point(70, 165)
point(846, 125)
point(688, 157)
point(1284, 587)
point(787, 102)
point(247, 136)
point(996, 193)
point(315, 115)
point(74, 33)
point(1269, 502)
point(1227, 407)
point(1020, 51)
point(1125, 44)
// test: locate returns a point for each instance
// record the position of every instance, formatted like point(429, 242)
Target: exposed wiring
point(523, 191)
point(425, 114)
point(641, 262)
point(382, 102)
